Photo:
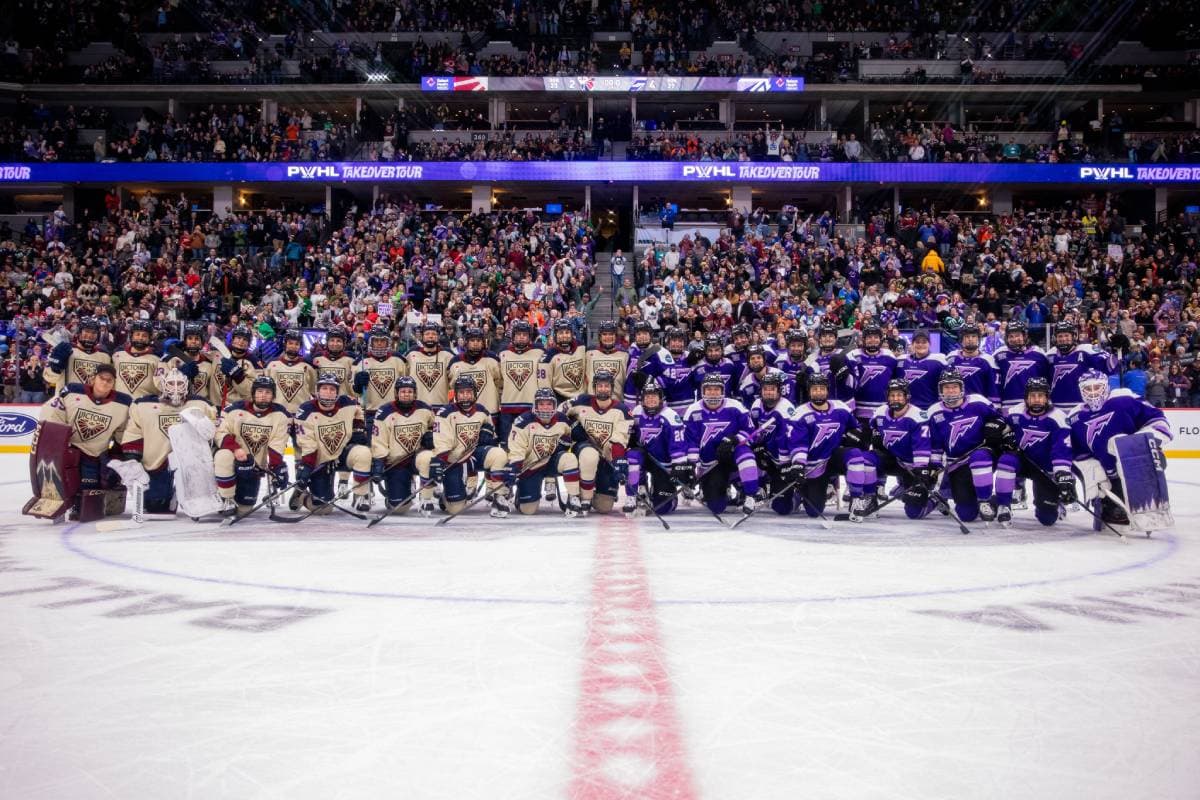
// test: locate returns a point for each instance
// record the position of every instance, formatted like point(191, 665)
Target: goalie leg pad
point(1141, 468)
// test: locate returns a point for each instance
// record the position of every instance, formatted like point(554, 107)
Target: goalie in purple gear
point(826, 442)
point(718, 432)
point(658, 462)
point(1104, 418)
point(962, 430)
point(773, 416)
point(899, 447)
point(1042, 454)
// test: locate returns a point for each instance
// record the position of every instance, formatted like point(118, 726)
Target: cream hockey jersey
point(396, 436)
point(564, 372)
point(531, 443)
point(342, 367)
point(263, 435)
point(94, 424)
point(80, 366)
point(135, 373)
point(485, 373)
point(431, 372)
point(456, 435)
point(295, 382)
point(381, 380)
point(615, 362)
point(150, 419)
point(519, 377)
point(323, 435)
point(606, 428)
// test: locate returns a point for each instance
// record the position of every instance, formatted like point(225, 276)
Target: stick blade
point(112, 525)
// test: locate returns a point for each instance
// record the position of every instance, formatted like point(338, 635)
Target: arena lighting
point(378, 77)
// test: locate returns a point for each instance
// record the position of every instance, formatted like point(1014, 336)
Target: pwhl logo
point(308, 173)
point(15, 424)
point(705, 171)
point(1105, 174)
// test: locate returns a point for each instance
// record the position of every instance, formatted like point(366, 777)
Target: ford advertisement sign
point(15, 424)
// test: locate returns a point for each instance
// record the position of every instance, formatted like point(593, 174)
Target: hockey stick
point(654, 509)
point(317, 507)
point(270, 498)
point(766, 503)
point(1085, 506)
point(476, 501)
point(845, 517)
point(135, 521)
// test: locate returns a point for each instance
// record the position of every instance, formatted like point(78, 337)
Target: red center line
point(628, 739)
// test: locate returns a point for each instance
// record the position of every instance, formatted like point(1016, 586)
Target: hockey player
point(518, 375)
point(718, 431)
point(826, 441)
point(539, 448)
point(564, 366)
point(921, 370)
point(773, 416)
point(899, 447)
point(601, 428)
point(756, 370)
point(976, 368)
point(792, 365)
point(331, 436)
point(136, 365)
point(76, 363)
point(1042, 454)
point(375, 381)
point(295, 379)
point(333, 359)
point(873, 367)
point(251, 440)
point(667, 366)
point(145, 439)
point(828, 360)
point(463, 436)
point(1103, 417)
point(235, 375)
point(738, 351)
point(606, 357)
point(643, 340)
point(482, 367)
point(198, 367)
point(1018, 363)
point(97, 415)
point(402, 429)
point(962, 428)
point(1068, 362)
point(714, 363)
point(429, 364)
point(658, 464)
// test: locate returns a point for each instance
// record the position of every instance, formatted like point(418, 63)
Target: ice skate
point(863, 508)
point(1004, 516)
point(574, 508)
point(987, 511)
point(501, 505)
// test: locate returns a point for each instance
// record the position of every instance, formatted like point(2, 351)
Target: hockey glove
point(358, 437)
point(853, 437)
point(360, 381)
point(795, 472)
point(232, 370)
point(620, 466)
point(725, 450)
point(378, 467)
point(926, 476)
point(437, 469)
point(1065, 482)
point(279, 475)
point(999, 436)
point(683, 474)
point(59, 357)
point(190, 369)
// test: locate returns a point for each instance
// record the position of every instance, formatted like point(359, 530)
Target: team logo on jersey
point(83, 369)
point(167, 421)
point(429, 373)
point(712, 430)
point(1061, 371)
point(914, 375)
point(598, 431)
point(1018, 367)
point(893, 436)
point(255, 436)
point(825, 430)
point(467, 434)
point(573, 372)
point(966, 370)
point(543, 446)
point(133, 374)
point(90, 424)
point(870, 372)
point(382, 381)
point(958, 427)
point(332, 436)
point(1093, 427)
point(408, 436)
point(342, 373)
point(1031, 437)
point(200, 383)
point(290, 384)
point(518, 373)
point(611, 366)
point(478, 377)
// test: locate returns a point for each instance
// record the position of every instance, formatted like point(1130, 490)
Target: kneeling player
point(463, 437)
point(773, 416)
point(251, 438)
point(539, 449)
point(1043, 455)
point(658, 460)
point(899, 447)
point(962, 427)
point(332, 438)
point(825, 443)
point(718, 432)
point(601, 435)
point(401, 429)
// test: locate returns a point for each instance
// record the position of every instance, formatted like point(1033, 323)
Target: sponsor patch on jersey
point(332, 436)
point(290, 384)
point(573, 372)
point(256, 437)
point(383, 381)
point(90, 424)
point(167, 421)
point(133, 374)
point(518, 373)
point(598, 431)
point(408, 436)
point(467, 434)
point(429, 373)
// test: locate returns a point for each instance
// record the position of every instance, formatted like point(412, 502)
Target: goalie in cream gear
point(146, 438)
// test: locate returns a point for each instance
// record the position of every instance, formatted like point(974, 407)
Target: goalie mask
point(174, 388)
point(1094, 389)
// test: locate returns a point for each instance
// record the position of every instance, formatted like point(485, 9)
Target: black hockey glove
point(1065, 482)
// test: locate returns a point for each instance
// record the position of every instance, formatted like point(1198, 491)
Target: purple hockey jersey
point(922, 375)
point(906, 437)
point(818, 433)
point(1065, 372)
point(1045, 438)
point(953, 432)
point(705, 428)
point(979, 374)
point(1015, 369)
point(662, 435)
point(1123, 412)
point(773, 429)
point(871, 375)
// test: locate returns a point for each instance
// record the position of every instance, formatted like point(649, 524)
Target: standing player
point(755, 372)
point(962, 427)
point(1069, 362)
point(334, 360)
point(402, 429)
point(1042, 454)
point(76, 363)
point(331, 436)
point(658, 459)
point(601, 428)
point(375, 381)
point(1017, 363)
point(921, 370)
point(605, 357)
point(714, 364)
point(251, 439)
point(899, 447)
point(718, 431)
point(234, 378)
point(828, 360)
point(873, 367)
point(539, 449)
point(565, 365)
point(295, 379)
point(792, 365)
point(825, 444)
point(518, 376)
point(976, 368)
point(430, 365)
point(136, 365)
point(738, 351)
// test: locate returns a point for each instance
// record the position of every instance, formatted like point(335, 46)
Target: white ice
point(888, 660)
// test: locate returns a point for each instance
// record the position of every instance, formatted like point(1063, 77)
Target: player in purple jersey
point(773, 416)
point(792, 365)
point(1042, 454)
point(828, 361)
point(1069, 362)
point(715, 363)
point(658, 462)
point(1103, 415)
point(1017, 363)
point(643, 344)
point(752, 376)
point(718, 433)
point(962, 429)
point(899, 447)
point(826, 441)
point(921, 369)
point(976, 368)
point(873, 368)
point(738, 350)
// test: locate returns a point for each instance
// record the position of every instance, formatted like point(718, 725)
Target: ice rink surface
point(551, 658)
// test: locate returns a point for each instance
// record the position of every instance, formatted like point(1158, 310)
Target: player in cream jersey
point(402, 429)
point(330, 429)
point(429, 365)
point(375, 380)
point(519, 375)
point(601, 430)
point(463, 436)
point(136, 365)
point(607, 358)
point(76, 363)
point(565, 366)
point(198, 367)
point(295, 379)
point(334, 360)
point(251, 439)
point(146, 439)
point(539, 447)
point(482, 367)
point(234, 379)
